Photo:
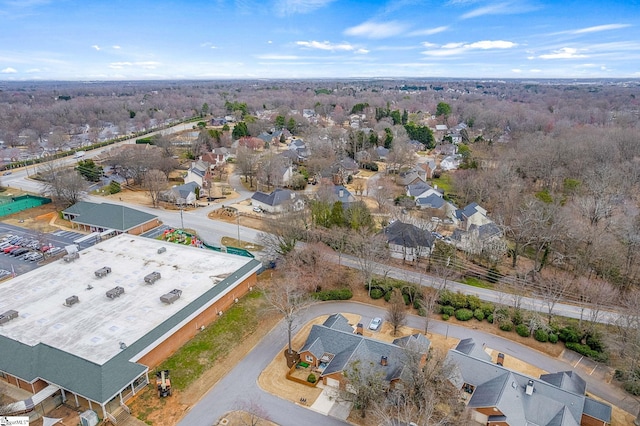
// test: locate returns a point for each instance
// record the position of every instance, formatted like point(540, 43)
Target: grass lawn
point(475, 282)
point(444, 182)
point(214, 342)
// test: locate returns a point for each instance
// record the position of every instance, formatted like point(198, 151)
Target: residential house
point(213, 159)
point(300, 148)
point(382, 153)
point(426, 168)
point(417, 145)
point(342, 194)
point(218, 121)
point(446, 149)
point(407, 241)
point(502, 397)
point(186, 194)
point(225, 152)
point(472, 214)
point(441, 128)
point(343, 169)
point(478, 239)
point(450, 162)
point(409, 177)
point(199, 172)
point(421, 190)
point(278, 201)
point(333, 345)
point(266, 138)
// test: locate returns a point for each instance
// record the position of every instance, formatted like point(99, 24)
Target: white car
point(257, 209)
point(375, 323)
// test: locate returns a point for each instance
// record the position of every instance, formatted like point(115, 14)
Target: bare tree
point(366, 385)
point(552, 289)
point(281, 234)
point(288, 298)
point(252, 413)
point(65, 186)
point(247, 161)
point(396, 312)
point(155, 182)
point(593, 295)
point(369, 250)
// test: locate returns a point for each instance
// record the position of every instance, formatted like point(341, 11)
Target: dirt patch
point(40, 219)
point(230, 216)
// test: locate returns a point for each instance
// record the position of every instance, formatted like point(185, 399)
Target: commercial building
point(92, 338)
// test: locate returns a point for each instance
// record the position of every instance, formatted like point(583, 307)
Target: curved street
point(240, 384)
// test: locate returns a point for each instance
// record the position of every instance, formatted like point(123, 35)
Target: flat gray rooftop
point(93, 328)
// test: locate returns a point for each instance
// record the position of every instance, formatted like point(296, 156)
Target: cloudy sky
point(212, 39)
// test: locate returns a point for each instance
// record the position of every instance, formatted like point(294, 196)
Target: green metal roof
point(108, 216)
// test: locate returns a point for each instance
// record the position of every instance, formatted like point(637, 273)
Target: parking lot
point(56, 241)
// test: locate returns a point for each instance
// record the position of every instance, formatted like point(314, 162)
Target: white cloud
point(325, 45)
point(278, 57)
point(564, 53)
point(95, 46)
point(290, 7)
point(429, 31)
point(516, 70)
point(148, 65)
point(451, 49)
point(209, 45)
point(504, 8)
point(9, 70)
point(269, 42)
point(362, 51)
point(115, 47)
point(599, 28)
point(372, 29)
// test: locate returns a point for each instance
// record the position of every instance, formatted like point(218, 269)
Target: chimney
point(529, 388)
point(383, 361)
point(341, 193)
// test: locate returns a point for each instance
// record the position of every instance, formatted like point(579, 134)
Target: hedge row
point(343, 294)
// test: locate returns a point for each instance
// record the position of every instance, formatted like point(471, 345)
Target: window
point(309, 358)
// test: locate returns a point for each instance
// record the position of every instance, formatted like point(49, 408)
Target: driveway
point(240, 384)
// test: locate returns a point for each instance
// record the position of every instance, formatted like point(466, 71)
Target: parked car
point(6, 250)
point(54, 250)
point(36, 257)
point(19, 251)
point(257, 209)
point(375, 323)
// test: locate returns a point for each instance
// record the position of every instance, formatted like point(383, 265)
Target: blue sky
point(216, 39)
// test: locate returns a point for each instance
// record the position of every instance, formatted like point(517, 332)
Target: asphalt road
point(240, 384)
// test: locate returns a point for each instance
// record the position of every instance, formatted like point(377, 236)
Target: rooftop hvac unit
point(529, 388)
point(71, 300)
point(89, 418)
point(103, 272)
point(162, 250)
point(171, 297)
point(152, 277)
point(71, 256)
point(8, 316)
point(115, 292)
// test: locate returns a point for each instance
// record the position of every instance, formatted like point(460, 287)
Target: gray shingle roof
point(496, 386)
point(276, 198)
point(334, 338)
point(419, 188)
point(433, 201)
point(108, 216)
point(407, 235)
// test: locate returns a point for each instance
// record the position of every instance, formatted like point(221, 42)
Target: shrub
point(407, 300)
point(479, 314)
point(417, 303)
point(490, 318)
point(459, 300)
point(114, 187)
point(422, 312)
point(553, 338)
point(541, 335)
point(311, 378)
point(464, 314)
point(569, 334)
point(595, 343)
point(387, 295)
point(445, 297)
point(487, 309)
point(445, 317)
point(506, 326)
point(522, 330)
point(633, 387)
point(516, 317)
point(343, 294)
point(473, 302)
point(448, 310)
point(587, 351)
point(376, 293)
